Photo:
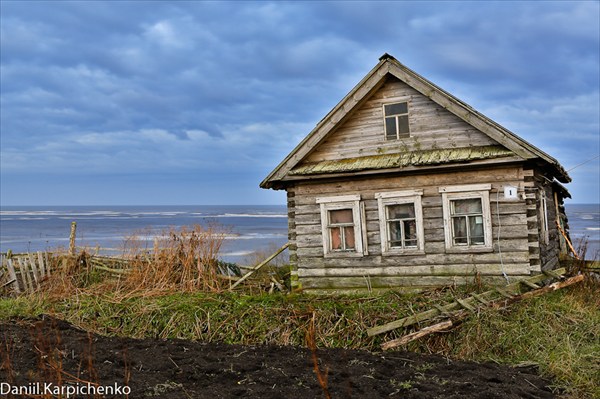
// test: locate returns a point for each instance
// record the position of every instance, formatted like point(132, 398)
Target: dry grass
point(182, 260)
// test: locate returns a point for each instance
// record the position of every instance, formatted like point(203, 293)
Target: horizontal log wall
point(435, 267)
point(431, 127)
point(292, 248)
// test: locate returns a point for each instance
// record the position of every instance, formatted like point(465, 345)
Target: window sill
point(404, 252)
point(344, 255)
point(472, 250)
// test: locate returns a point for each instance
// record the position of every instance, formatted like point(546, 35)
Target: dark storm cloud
point(215, 94)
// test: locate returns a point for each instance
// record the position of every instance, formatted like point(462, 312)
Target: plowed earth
point(50, 350)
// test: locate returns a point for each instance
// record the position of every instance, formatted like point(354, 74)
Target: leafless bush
point(184, 259)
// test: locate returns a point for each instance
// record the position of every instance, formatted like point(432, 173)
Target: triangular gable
point(388, 65)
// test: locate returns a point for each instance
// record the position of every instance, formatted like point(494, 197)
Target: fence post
point(72, 238)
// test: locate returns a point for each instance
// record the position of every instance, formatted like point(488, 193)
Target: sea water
point(584, 228)
point(249, 228)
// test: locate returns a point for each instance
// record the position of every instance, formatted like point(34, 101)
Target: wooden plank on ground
point(461, 315)
point(410, 320)
point(417, 334)
point(465, 304)
point(480, 299)
point(429, 314)
point(552, 274)
point(552, 287)
point(504, 293)
point(530, 285)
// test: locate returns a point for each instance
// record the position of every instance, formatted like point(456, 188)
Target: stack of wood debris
point(452, 313)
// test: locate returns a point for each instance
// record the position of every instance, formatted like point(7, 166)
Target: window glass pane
point(336, 239)
point(459, 230)
point(403, 124)
point(402, 211)
point(390, 128)
point(476, 230)
point(349, 237)
point(395, 109)
point(410, 230)
point(395, 232)
point(340, 216)
point(410, 233)
point(466, 206)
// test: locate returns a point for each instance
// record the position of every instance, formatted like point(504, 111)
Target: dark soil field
point(50, 350)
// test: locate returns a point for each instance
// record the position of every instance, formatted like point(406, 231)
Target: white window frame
point(467, 191)
point(385, 199)
point(343, 202)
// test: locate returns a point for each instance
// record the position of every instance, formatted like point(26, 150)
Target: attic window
point(396, 120)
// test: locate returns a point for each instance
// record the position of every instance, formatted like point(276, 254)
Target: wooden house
point(404, 185)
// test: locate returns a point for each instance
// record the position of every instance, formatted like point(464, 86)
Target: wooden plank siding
point(431, 127)
point(435, 267)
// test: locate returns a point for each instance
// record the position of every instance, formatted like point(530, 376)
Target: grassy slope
point(559, 331)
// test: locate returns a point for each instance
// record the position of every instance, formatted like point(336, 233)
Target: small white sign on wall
point(510, 192)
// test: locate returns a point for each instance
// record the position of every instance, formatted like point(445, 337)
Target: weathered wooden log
point(417, 334)
point(549, 288)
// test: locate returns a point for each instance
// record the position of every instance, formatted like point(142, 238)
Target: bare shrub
point(184, 259)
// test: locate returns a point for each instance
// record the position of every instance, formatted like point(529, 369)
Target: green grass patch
point(559, 331)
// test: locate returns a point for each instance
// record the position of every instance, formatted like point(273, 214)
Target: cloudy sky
point(111, 103)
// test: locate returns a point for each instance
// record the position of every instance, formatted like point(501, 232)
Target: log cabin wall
point(398, 139)
point(435, 267)
point(292, 248)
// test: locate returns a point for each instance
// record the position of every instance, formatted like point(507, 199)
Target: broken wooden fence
point(24, 272)
point(461, 308)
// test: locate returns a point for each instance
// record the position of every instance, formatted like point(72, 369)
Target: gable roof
point(388, 65)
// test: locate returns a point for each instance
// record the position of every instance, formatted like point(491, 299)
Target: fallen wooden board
point(463, 314)
point(416, 335)
point(509, 291)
